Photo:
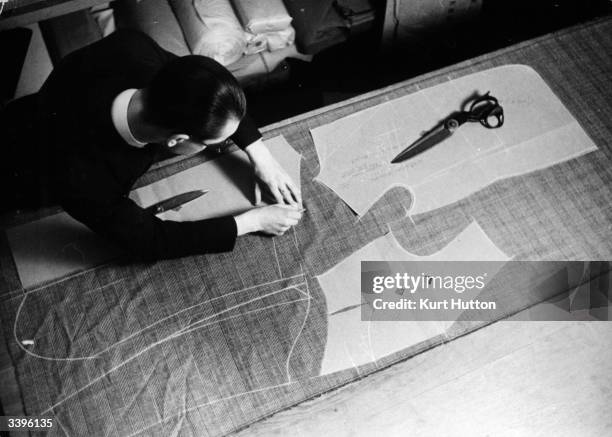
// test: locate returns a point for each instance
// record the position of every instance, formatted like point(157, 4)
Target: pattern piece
point(355, 151)
point(229, 178)
point(352, 342)
point(54, 247)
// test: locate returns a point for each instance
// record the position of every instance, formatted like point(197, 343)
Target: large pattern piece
point(352, 342)
point(207, 345)
point(355, 152)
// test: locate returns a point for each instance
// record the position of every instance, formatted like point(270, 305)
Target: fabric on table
point(111, 341)
point(355, 151)
point(233, 372)
point(56, 246)
point(229, 179)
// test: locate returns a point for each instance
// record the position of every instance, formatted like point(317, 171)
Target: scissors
point(485, 110)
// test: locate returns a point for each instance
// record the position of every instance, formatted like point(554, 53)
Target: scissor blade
point(428, 140)
point(175, 201)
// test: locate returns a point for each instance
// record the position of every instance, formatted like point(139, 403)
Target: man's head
point(195, 97)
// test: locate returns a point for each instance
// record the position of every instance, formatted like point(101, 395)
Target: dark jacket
point(90, 169)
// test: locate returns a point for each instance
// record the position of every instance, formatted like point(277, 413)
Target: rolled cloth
point(211, 28)
point(247, 69)
point(317, 24)
point(262, 16)
point(255, 43)
point(280, 39)
point(155, 18)
point(270, 41)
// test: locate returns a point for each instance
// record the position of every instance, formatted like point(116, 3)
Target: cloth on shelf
point(266, 23)
point(255, 43)
point(247, 68)
point(103, 15)
point(318, 24)
point(155, 18)
point(211, 28)
point(259, 16)
point(269, 41)
point(279, 39)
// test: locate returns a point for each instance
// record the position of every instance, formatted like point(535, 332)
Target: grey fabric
point(263, 356)
point(156, 19)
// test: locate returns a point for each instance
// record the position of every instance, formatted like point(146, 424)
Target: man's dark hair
point(194, 95)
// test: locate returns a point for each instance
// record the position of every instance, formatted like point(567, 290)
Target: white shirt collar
point(119, 114)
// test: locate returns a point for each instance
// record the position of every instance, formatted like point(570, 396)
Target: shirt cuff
point(216, 234)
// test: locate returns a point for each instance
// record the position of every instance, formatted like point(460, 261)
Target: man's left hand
point(274, 177)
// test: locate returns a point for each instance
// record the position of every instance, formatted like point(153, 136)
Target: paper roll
point(211, 28)
point(261, 16)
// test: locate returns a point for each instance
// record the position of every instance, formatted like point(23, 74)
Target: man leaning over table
point(103, 117)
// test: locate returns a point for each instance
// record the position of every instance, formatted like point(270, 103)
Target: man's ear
point(176, 139)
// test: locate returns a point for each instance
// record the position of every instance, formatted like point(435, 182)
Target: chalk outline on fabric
point(186, 330)
point(140, 331)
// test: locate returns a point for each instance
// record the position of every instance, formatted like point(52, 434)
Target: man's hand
point(269, 171)
point(273, 219)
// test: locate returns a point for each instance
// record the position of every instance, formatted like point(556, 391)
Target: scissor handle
point(487, 111)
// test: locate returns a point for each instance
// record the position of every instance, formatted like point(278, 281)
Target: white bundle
point(270, 41)
point(262, 16)
point(212, 29)
point(247, 69)
point(279, 39)
point(255, 43)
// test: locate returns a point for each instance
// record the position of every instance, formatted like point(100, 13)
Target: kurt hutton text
point(425, 304)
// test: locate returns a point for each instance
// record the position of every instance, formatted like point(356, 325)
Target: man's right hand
point(273, 219)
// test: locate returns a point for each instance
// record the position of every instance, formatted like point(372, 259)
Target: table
point(241, 370)
point(508, 378)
